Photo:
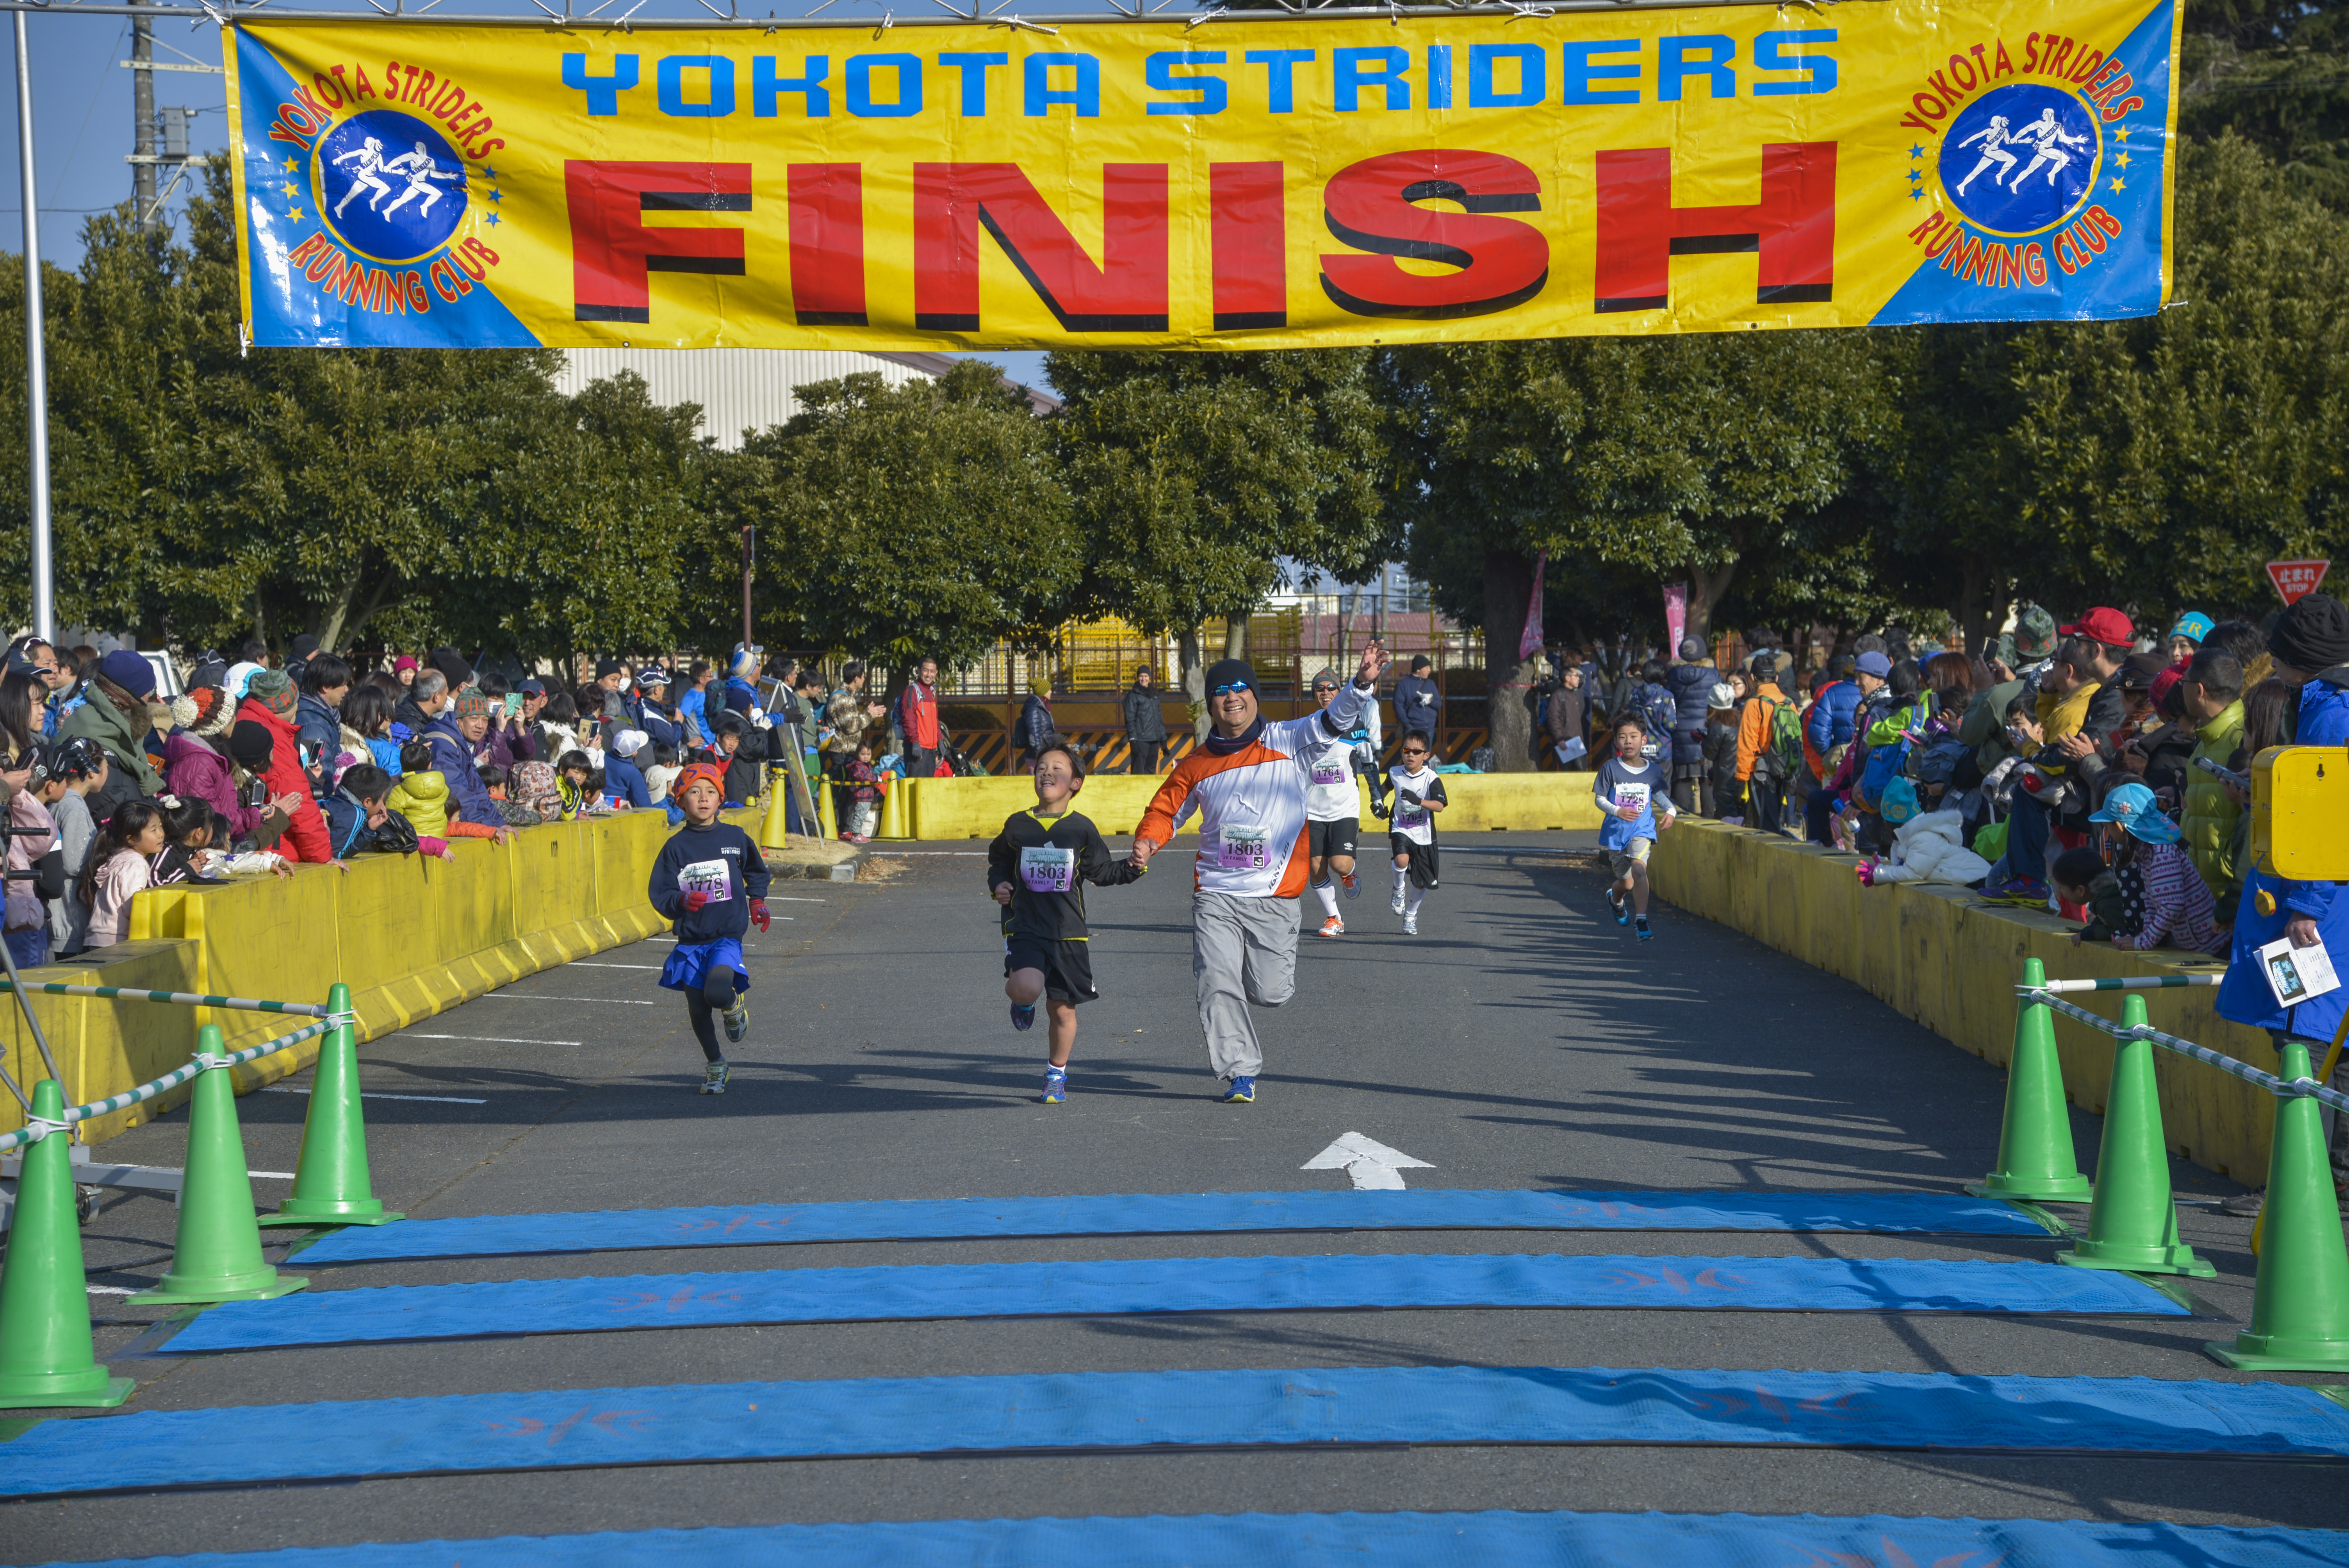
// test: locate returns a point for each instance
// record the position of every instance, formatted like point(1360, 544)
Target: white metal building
point(747, 388)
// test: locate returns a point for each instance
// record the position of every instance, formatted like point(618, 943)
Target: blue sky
point(82, 107)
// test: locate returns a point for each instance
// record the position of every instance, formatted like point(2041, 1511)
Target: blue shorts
point(688, 961)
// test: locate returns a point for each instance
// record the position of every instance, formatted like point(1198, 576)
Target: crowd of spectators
point(2088, 769)
point(111, 784)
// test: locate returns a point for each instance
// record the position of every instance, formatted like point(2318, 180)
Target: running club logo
point(389, 186)
point(2011, 149)
point(2020, 159)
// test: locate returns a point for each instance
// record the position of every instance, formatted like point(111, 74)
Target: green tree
point(1194, 478)
point(1698, 458)
point(928, 519)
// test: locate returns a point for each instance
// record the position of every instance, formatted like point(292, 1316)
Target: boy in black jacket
point(711, 882)
point(1037, 868)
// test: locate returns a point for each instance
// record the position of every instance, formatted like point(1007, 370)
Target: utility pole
point(142, 123)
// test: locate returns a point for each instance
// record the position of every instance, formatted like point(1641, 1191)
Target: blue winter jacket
point(1830, 723)
point(318, 728)
point(623, 779)
point(452, 754)
point(1692, 688)
point(2244, 996)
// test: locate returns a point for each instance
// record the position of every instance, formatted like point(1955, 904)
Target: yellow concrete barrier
point(410, 935)
point(1480, 802)
point(1942, 956)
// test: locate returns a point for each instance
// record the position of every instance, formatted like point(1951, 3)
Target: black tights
point(717, 995)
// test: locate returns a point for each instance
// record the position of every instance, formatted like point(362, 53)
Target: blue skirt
point(688, 961)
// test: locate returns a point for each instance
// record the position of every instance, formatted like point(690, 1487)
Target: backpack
point(1781, 756)
point(1658, 714)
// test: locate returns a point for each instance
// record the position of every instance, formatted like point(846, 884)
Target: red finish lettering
point(827, 211)
point(1373, 206)
point(1126, 293)
point(612, 251)
point(1792, 227)
point(1249, 238)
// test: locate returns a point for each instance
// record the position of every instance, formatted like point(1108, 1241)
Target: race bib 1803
point(1045, 868)
point(1242, 848)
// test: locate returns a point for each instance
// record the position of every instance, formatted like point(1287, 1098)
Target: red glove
point(759, 915)
point(694, 900)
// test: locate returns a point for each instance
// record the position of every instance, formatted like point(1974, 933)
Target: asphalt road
point(1521, 1040)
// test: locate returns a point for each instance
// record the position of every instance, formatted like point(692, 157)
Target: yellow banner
point(1237, 183)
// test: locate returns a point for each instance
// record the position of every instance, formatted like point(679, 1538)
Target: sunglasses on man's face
point(1227, 690)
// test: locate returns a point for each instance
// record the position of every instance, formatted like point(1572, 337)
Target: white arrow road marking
point(1370, 1163)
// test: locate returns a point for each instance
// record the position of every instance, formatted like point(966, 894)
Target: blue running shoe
point(1023, 1018)
point(1646, 932)
point(2024, 892)
point(1056, 1085)
point(1241, 1090)
point(1620, 905)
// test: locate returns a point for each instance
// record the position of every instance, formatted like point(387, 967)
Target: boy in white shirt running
point(1333, 809)
point(1418, 795)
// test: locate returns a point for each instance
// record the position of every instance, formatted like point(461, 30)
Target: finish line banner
point(1239, 184)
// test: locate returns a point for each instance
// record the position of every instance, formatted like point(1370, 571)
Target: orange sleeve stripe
point(1157, 823)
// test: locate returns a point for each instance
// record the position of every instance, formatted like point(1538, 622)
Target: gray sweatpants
point(1243, 949)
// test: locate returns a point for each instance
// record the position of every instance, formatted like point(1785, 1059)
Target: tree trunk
point(330, 630)
point(1706, 589)
point(1509, 680)
point(1194, 683)
point(1982, 603)
point(1235, 633)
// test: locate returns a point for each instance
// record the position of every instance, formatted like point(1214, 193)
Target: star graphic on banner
point(294, 214)
point(2121, 135)
point(496, 195)
point(2119, 185)
point(495, 219)
point(1915, 152)
point(2121, 161)
point(487, 172)
point(290, 189)
point(1915, 178)
point(1916, 195)
point(290, 165)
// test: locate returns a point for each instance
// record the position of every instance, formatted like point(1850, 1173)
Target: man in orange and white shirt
point(1247, 783)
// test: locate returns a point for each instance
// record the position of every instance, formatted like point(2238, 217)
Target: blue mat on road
point(1170, 1214)
point(701, 1424)
point(1160, 1286)
point(1352, 1540)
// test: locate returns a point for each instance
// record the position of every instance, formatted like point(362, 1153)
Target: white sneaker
point(1396, 904)
point(1410, 926)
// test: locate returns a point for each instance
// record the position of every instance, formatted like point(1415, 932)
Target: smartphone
point(2224, 775)
point(513, 703)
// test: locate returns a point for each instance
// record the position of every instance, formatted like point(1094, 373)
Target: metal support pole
point(37, 370)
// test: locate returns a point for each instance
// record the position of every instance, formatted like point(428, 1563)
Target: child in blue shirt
point(1632, 789)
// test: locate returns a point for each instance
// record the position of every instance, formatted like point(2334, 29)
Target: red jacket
point(917, 715)
point(305, 839)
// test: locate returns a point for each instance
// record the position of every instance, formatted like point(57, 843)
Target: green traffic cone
point(2034, 1144)
point(331, 1186)
point(2134, 1225)
point(2299, 1306)
point(217, 1254)
point(47, 1357)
